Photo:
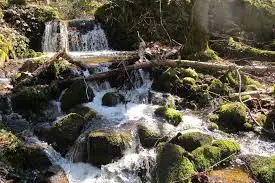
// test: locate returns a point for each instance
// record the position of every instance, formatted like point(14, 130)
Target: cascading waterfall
point(74, 35)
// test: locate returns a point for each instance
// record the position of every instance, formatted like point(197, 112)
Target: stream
point(137, 110)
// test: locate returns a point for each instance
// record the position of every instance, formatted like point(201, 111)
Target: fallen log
point(182, 63)
point(253, 93)
point(41, 68)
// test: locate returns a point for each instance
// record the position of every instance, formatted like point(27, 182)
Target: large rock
point(64, 132)
point(172, 165)
point(147, 137)
point(232, 115)
point(105, 146)
point(192, 140)
point(79, 92)
point(263, 168)
point(111, 99)
point(86, 112)
point(20, 161)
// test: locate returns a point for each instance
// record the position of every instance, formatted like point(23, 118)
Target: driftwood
point(181, 63)
point(253, 93)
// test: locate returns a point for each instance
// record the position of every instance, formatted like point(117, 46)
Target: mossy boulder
point(218, 87)
point(232, 115)
point(64, 132)
point(173, 116)
point(172, 165)
point(147, 137)
point(19, 161)
point(214, 118)
point(192, 140)
point(263, 168)
point(212, 126)
point(206, 156)
point(111, 99)
point(189, 73)
point(30, 98)
point(86, 112)
point(105, 146)
point(79, 92)
point(188, 81)
point(228, 147)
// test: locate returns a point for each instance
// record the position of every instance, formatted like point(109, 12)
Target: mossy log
point(182, 63)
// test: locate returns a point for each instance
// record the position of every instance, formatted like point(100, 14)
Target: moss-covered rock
point(64, 132)
point(232, 115)
point(192, 140)
point(79, 92)
point(147, 137)
point(173, 116)
point(30, 98)
point(214, 118)
point(261, 119)
point(218, 87)
point(172, 165)
point(105, 146)
point(111, 99)
point(206, 156)
point(189, 73)
point(228, 147)
point(263, 168)
point(188, 81)
point(19, 161)
point(212, 126)
point(86, 112)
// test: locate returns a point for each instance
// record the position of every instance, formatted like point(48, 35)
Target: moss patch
point(171, 115)
point(147, 137)
point(191, 141)
point(172, 165)
point(228, 147)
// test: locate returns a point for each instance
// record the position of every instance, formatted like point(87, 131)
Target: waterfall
point(74, 35)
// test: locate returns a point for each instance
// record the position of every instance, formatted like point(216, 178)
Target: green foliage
point(171, 115)
point(172, 165)
point(30, 20)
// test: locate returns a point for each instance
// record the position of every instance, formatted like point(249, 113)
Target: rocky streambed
point(160, 125)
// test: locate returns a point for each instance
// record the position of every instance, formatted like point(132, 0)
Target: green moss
point(228, 147)
point(31, 98)
point(206, 156)
point(261, 119)
point(166, 81)
point(213, 118)
point(172, 165)
point(200, 95)
point(232, 115)
point(106, 146)
point(189, 73)
point(191, 141)
point(86, 112)
point(212, 126)
point(188, 81)
point(249, 81)
point(262, 167)
point(147, 137)
point(171, 115)
point(251, 88)
point(218, 87)
point(248, 127)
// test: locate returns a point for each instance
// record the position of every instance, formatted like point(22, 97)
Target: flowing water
point(137, 110)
